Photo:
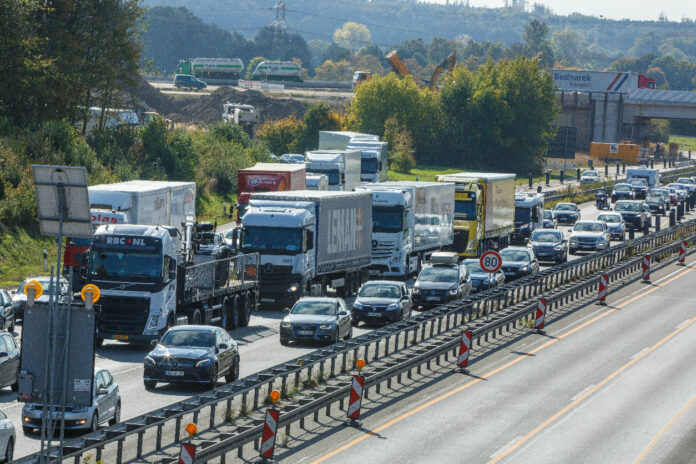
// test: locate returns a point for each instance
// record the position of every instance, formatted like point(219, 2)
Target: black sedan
point(519, 262)
point(318, 319)
point(640, 187)
point(438, 284)
point(550, 221)
point(622, 192)
point(567, 213)
point(382, 301)
point(480, 279)
point(192, 354)
point(549, 245)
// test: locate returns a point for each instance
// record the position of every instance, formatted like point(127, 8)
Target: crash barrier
point(481, 314)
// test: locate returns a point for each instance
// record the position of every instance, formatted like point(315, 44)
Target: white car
point(8, 438)
point(590, 176)
point(20, 299)
point(589, 236)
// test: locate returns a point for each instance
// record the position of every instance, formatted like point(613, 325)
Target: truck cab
point(529, 208)
point(373, 166)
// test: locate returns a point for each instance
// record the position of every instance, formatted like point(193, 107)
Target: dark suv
point(441, 282)
point(188, 82)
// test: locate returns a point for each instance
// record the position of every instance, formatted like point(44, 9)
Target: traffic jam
point(353, 256)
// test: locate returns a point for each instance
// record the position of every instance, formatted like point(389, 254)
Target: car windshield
point(465, 209)
point(622, 188)
point(199, 338)
point(118, 264)
point(514, 255)
point(609, 218)
point(380, 291)
point(588, 227)
point(438, 274)
point(272, 240)
point(474, 266)
point(590, 174)
point(627, 207)
point(638, 182)
point(565, 207)
point(546, 236)
point(387, 219)
point(319, 308)
point(548, 214)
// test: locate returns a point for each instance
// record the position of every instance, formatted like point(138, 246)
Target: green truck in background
point(212, 68)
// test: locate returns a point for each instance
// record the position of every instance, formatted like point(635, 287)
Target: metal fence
point(229, 273)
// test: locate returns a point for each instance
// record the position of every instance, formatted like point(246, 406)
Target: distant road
point(168, 88)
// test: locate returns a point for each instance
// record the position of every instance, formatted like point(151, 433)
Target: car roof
point(588, 222)
point(209, 328)
point(565, 203)
point(515, 248)
point(325, 299)
point(628, 201)
point(386, 282)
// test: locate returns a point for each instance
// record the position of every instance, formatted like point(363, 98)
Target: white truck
point(342, 167)
point(410, 220)
point(374, 159)
point(242, 115)
point(339, 140)
point(652, 176)
point(149, 282)
point(308, 241)
point(317, 182)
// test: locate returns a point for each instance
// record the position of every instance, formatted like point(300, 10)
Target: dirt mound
point(209, 108)
point(153, 98)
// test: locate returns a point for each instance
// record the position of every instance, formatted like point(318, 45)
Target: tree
point(369, 63)
point(336, 53)
point(281, 136)
point(567, 44)
point(253, 63)
point(400, 146)
point(291, 46)
point(333, 71)
point(353, 36)
point(536, 42)
point(318, 117)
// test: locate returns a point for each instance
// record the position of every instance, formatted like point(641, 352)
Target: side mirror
point(3, 354)
point(343, 312)
point(223, 346)
point(154, 343)
point(102, 391)
point(286, 311)
point(172, 274)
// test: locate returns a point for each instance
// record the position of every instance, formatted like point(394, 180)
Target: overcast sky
point(614, 9)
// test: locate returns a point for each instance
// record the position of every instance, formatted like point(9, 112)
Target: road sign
point(491, 261)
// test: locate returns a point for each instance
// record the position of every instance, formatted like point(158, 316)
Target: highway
point(605, 384)
point(259, 349)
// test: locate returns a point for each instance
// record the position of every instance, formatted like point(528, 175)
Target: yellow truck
point(484, 211)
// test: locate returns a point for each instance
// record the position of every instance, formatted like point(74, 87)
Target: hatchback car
point(20, 299)
point(8, 438)
point(589, 236)
point(640, 187)
point(188, 82)
point(622, 192)
point(549, 245)
point(673, 195)
point(197, 354)
point(589, 176)
point(318, 319)
point(106, 407)
point(480, 279)
point(7, 311)
point(550, 221)
point(519, 262)
point(440, 283)
point(615, 223)
point(382, 301)
point(567, 213)
point(666, 196)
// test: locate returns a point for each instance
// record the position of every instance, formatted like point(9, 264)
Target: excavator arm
point(447, 64)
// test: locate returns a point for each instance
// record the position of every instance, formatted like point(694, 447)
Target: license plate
point(373, 314)
point(432, 298)
point(586, 246)
point(120, 337)
point(267, 300)
point(304, 332)
point(174, 373)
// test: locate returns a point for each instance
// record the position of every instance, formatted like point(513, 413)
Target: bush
point(400, 146)
point(281, 136)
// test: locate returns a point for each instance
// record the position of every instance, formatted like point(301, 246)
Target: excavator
point(401, 69)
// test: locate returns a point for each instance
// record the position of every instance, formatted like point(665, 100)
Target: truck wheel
point(195, 317)
point(234, 319)
point(226, 316)
point(98, 342)
point(245, 311)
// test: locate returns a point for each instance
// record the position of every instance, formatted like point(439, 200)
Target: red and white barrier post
point(682, 253)
point(603, 284)
point(188, 451)
point(646, 269)
point(355, 401)
point(270, 427)
point(540, 316)
point(464, 350)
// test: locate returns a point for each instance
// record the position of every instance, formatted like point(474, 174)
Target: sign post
point(490, 262)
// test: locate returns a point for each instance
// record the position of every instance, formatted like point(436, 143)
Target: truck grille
point(122, 315)
point(272, 273)
point(461, 239)
point(382, 250)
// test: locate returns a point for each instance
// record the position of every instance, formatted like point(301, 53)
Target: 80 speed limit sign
point(491, 261)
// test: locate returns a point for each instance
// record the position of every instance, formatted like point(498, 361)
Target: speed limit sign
point(491, 261)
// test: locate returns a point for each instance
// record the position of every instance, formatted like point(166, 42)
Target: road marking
point(579, 400)
point(662, 433)
point(582, 392)
point(656, 285)
point(505, 447)
point(640, 353)
point(683, 323)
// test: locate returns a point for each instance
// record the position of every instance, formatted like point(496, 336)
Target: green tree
point(333, 71)
point(252, 65)
point(568, 45)
point(335, 53)
point(353, 36)
point(317, 118)
point(536, 42)
point(400, 146)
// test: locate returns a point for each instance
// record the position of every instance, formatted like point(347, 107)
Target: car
point(8, 438)
point(210, 243)
point(667, 196)
point(673, 197)
point(20, 299)
point(316, 319)
point(382, 301)
point(443, 280)
point(681, 191)
point(622, 192)
point(7, 311)
point(480, 279)
point(589, 175)
point(518, 262)
point(688, 182)
point(550, 220)
point(9, 361)
point(105, 407)
point(292, 158)
point(640, 187)
point(567, 213)
point(188, 81)
point(549, 245)
point(589, 236)
point(634, 213)
point(615, 223)
point(688, 189)
point(658, 201)
point(195, 354)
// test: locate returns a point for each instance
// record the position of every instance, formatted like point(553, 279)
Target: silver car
point(20, 299)
point(106, 406)
point(615, 223)
point(319, 319)
point(589, 236)
point(8, 438)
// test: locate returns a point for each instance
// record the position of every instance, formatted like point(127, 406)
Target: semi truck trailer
point(342, 167)
point(268, 177)
point(307, 241)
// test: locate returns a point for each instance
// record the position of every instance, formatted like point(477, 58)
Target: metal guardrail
point(247, 394)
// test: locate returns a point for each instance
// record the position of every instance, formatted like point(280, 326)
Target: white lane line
point(683, 324)
point(640, 353)
point(582, 392)
point(506, 446)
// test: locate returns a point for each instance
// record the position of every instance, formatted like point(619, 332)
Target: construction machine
point(401, 69)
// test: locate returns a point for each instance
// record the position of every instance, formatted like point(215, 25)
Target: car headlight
point(393, 307)
point(203, 363)
point(559, 247)
point(395, 260)
point(524, 268)
point(149, 361)
point(416, 290)
point(285, 325)
point(153, 322)
point(357, 305)
point(454, 292)
point(292, 288)
point(326, 326)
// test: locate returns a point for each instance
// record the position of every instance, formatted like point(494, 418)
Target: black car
point(382, 301)
point(567, 213)
point(519, 262)
point(633, 213)
point(192, 354)
point(9, 361)
point(640, 187)
point(480, 279)
point(656, 202)
point(550, 220)
point(7, 311)
point(188, 81)
point(549, 245)
point(622, 192)
point(440, 283)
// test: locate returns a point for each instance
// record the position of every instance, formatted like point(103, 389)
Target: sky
point(613, 9)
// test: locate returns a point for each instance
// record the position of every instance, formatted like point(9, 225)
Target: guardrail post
point(680, 210)
point(672, 218)
point(548, 178)
point(657, 223)
point(606, 170)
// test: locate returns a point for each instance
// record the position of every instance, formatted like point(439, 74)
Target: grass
point(21, 256)
point(685, 143)
point(422, 173)
point(210, 207)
